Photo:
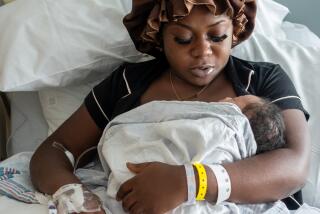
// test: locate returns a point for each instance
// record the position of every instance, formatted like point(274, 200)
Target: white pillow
point(57, 42)
point(28, 125)
point(59, 103)
point(270, 16)
point(301, 34)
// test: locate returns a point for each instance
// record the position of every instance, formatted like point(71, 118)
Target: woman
point(192, 43)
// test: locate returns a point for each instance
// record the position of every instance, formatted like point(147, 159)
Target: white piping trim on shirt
point(276, 100)
point(127, 84)
point(249, 79)
point(98, 104)
point(287, 97)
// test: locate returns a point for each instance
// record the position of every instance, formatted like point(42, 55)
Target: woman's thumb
point(137, 167)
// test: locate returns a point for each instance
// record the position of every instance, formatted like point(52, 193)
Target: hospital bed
point(72, 46)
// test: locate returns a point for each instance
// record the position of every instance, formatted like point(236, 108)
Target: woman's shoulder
point(143, 72)
point(259, 67)
point(259, 75)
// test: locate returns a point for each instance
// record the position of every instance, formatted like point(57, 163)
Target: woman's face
point(198, 46)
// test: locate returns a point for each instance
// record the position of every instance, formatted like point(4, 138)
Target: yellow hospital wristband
point(202, 181)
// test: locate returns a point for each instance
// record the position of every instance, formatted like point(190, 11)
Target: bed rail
point(4, 124)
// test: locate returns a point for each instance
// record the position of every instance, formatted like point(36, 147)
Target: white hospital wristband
point(223, 182)
point(191, 184)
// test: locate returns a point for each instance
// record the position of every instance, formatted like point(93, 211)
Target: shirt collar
point(239, 72)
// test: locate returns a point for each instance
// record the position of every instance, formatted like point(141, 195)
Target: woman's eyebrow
point(190, 27)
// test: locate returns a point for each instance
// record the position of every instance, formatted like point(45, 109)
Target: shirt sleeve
point(275, 85)
point(101, 99)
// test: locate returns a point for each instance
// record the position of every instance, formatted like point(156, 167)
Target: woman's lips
point(202, 71)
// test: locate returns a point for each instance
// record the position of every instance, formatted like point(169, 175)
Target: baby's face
point(242, 101)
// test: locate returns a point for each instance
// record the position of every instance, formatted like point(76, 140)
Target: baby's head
point(265, 119)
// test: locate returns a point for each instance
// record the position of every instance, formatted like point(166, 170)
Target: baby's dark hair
point(267, 124)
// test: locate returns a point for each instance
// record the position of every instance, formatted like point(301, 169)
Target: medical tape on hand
point(72, 198)
point(223, 182)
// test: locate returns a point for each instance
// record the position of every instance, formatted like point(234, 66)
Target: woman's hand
point(157, 188)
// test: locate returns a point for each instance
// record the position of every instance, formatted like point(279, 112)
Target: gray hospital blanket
point(178, 133)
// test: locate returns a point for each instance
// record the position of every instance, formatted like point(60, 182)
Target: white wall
point(305, 12)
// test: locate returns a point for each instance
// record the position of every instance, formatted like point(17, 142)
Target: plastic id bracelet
point(191, 184)
point(223, 182)
point(202, 181)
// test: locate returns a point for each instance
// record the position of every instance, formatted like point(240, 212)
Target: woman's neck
point(213, 91)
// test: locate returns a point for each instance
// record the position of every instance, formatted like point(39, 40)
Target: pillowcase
point(51, 43)
point(59, 103)
point(270, 16)
point(300, 34)
point(28, 125)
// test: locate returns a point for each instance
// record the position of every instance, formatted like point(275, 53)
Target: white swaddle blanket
point(177, 133)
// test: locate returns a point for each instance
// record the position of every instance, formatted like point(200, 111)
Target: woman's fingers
point(124, 189)
point(128, 202)
point(137, 209)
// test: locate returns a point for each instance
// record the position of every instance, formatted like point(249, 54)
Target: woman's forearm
point(267, 177)
point(50, 169)
point(272, 175)
point(263, 178)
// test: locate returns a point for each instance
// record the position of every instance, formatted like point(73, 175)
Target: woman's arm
point(273, 175)
point(49, 167)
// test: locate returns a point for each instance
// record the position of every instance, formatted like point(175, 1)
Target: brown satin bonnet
point(147, 16)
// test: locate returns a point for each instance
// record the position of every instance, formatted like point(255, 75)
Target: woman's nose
point(201, 48)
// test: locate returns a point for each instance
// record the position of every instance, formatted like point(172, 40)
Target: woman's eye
point(218, 38)
point(182, 41)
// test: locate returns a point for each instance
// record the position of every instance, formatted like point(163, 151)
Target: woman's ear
point(235, 40)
